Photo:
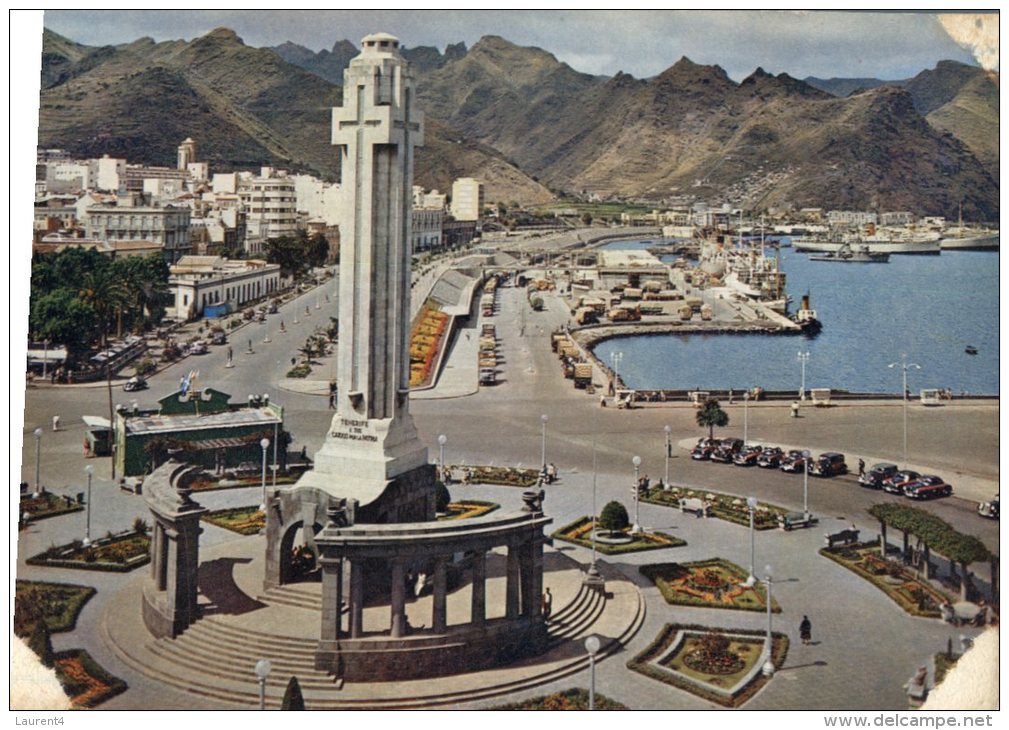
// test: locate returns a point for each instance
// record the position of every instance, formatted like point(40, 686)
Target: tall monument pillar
point(372, 439)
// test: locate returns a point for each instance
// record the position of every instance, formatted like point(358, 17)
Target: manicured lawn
point(84, 680)
point(899, 583)
point(726, 507)
point(570, 699)
point(243, 520)
point(467, 509)
point(714, 583)
point(579, 533)
point(715, 685)
point(58, 604)
point(117, 553)
point(47, 505)
point(207, 485)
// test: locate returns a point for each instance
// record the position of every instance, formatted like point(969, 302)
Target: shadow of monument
point(216, 582)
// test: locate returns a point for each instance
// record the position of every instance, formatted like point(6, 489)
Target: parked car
point(747, 456)
point(702, 451)
point(874, 478)
point(727, 450)
point(137, 382)
point(217, 337)
point(988, 509)
point(770, 457)
point(794, 462)
point(928, 487)
point(198, 348)
point(828, 465)
point(896, 483)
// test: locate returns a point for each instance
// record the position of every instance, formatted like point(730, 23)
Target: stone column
point(439, 614)
point(536, 576)
point(356, 599)
point(529, 599)
point(512, 589)
point(927, 554)
point(478, 606)
point(332, 597)
point(397, 622)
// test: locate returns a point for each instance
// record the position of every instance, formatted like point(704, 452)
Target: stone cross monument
point(372, 441)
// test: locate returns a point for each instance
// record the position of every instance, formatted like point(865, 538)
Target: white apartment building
point(850, 217)
point(896, 218)
point(69, 176)
point(107, 173)
point(130, 221)
point(317, 200)
point(467, 199)
point(428, 200)
point(270, 206)
point(199, 282)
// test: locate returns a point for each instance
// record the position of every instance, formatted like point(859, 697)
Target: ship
point(746, 271)
point(846, 254)
point(806, 317)
point(968, 238)
point(883, 240)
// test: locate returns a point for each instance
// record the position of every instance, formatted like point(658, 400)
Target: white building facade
point(270, 207)
point(199, 282)
point(467, 199)
point(167, 225)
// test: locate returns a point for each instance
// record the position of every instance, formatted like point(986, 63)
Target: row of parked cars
point(890, 478)
point(887, 477)
point(734, 451)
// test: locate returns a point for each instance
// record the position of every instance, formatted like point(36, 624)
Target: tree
point(317, 249)
point(614, 517)
point(711, 415)
point(293, 699)
point(62, 318)
point(441, 497)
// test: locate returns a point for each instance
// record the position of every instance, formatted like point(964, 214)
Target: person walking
point(795, 409)
point(56, 422)
point(546, 604)
point(861, 468)
point(806, 630)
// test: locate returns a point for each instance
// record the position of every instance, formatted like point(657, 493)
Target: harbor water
point(928, 307)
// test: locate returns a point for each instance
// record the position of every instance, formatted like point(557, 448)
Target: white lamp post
point(805, 483)
point(38, 451)
point(803, 358)
point(904, 365)
point(89, 470)
point(637, 497)
point(276, 440)
point(442, 440)
point(263, 668)
point(667, 431)
point(593, 571)
point(615, 358)
point(769, 664)
point(543, 441)
point(592, 647)
point(746, 417)
point(751, 502)
point(265, 444)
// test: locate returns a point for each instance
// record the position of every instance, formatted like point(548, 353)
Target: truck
point(488, 376)
point(586, 315)
point(624, 314)
point(583, 374)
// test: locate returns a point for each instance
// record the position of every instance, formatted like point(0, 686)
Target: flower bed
point(570, 699)
point(579, 533)
point(726, 507)
point(943, 663)
point(900, 584)
point(46, 505)
point(117, 553)
point(425, 342)
point(505, 476)
point(243, 520)
point(665, 662)
point(211, 484)
point(299, 371)
point(84, 680)
point(58, 604)
point(714, 583)
point(467, 509)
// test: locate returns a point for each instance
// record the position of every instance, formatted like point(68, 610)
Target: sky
point(639, 42)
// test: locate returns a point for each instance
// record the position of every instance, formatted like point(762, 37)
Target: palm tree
point(711, 415)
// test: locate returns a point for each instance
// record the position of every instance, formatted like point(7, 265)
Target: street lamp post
point(89, 470)
point(751, 502)
point(746, 417)
point(904, 365)
point(805, 483)
point(275, 465)
point(803, 358)
point(592, 647)
point(265, 444)
point(543, 440)
point(637, 496)
point(667, 430)
point(442, 439)
point(616, 358)
point(768, 668)
point(38, 451)
point(263, 668)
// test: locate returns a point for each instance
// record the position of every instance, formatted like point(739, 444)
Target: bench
point(844, 537)
point(695, 505)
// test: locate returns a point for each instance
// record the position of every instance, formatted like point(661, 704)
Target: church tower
point(372, 441)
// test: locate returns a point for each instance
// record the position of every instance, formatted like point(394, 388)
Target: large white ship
point(874, 240)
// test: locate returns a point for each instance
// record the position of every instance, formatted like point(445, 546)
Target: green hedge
point(58, 604)
point(933, 531)
point(82, 692)
point(721, 507)
point(637, 545)
point(641, 663)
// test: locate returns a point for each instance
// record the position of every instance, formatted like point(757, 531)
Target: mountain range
point(524, 122)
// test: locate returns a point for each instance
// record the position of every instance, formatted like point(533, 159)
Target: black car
point(896, 483)
point(727, 450)
point(702, 451)
point(828, 465)
point(794, 462)
point(770, 458)
point(747, 456)
point(874, 478)
point(928, 487)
